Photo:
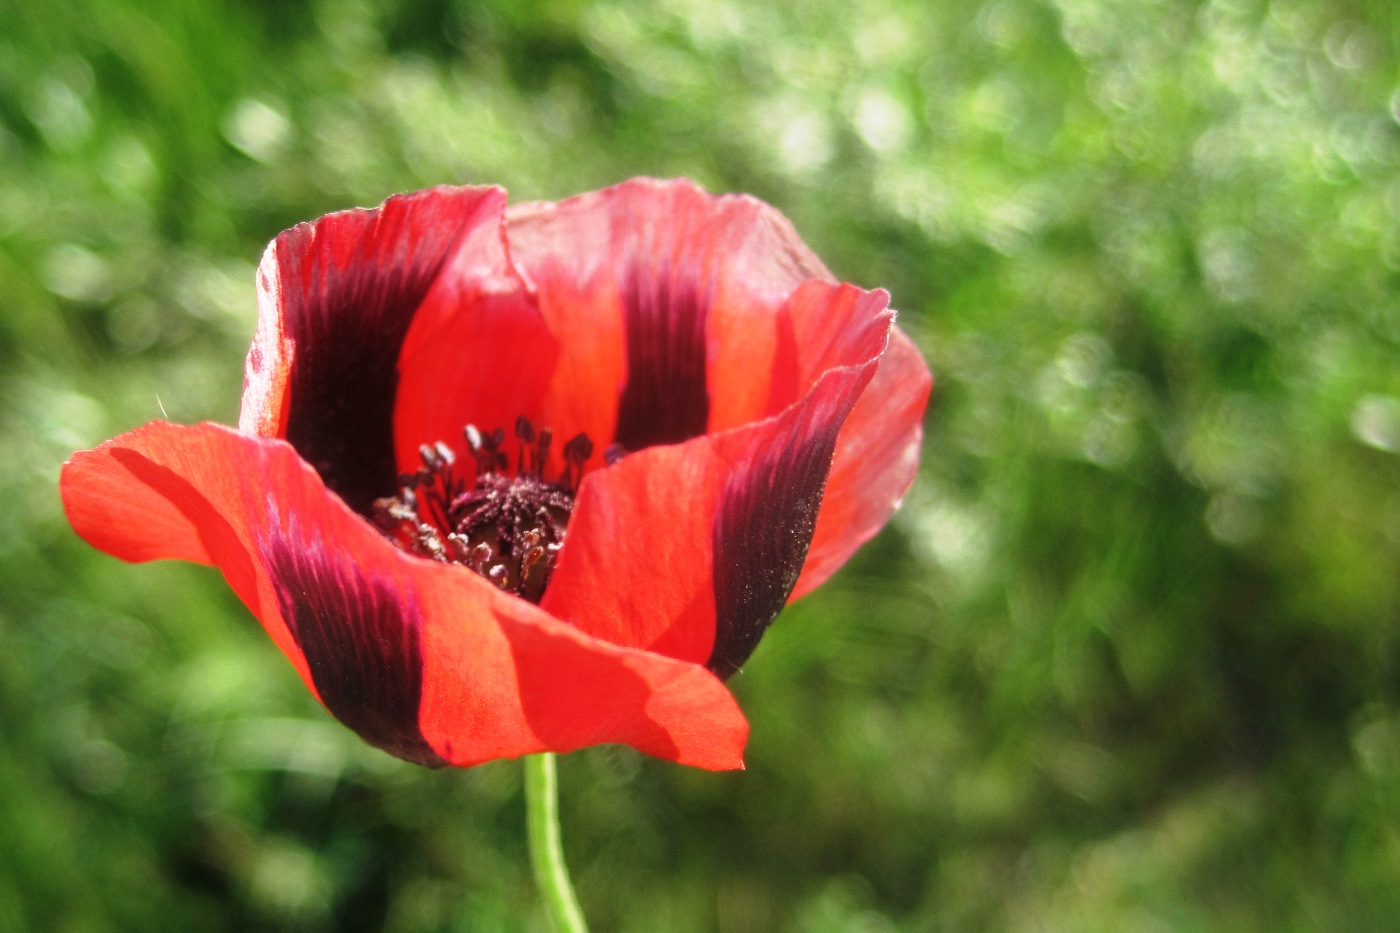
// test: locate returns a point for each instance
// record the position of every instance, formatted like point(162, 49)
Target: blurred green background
point(1128, 660)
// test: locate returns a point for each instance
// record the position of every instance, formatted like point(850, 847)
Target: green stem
point(546, 851)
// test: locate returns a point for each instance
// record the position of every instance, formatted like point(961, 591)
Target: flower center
point(506, 525)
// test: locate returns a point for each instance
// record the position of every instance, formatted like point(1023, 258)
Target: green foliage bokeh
point(1127, 659)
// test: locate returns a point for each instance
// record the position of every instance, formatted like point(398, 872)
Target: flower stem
point(546, 851)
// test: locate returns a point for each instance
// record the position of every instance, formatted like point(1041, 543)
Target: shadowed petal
point(691, 550)
point(877, 457)
point(336, 298)
point(642, 284)
point(478, 352)
point(819, 327)
point(361, 635)
point(425, 660)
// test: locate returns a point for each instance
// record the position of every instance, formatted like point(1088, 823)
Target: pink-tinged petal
point(877, 457)
point(336, 298)
point(691, 550)
point(642, 284)
point(427, 661)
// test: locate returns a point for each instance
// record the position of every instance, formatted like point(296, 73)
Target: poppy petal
point(361, 636)
point(165, 491)
point(477, 353)
point(639, 283)
point(137, 521)
point(877, 457)
point(690, 550)
point(336, 298)
point(428, 661)
point(821, 326)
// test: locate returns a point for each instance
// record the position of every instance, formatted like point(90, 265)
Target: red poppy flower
point(510, 481)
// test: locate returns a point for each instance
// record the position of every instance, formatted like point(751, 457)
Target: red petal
point(138, 520)
point(691, 550)
point(335, 301)
point(876, 458)
point(428, 661)
point(478, 352)
point(646, 285)
point(169, 492)
point(821, 326)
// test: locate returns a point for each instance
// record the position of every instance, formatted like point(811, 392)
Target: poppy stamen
point(507, 527)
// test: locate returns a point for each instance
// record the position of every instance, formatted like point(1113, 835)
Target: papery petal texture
point(336, 300)
point(427, 661)
point(706, 423)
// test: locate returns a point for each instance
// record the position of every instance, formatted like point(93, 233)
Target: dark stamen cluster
point(507, 526)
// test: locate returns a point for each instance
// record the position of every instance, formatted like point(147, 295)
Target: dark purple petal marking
point(665, 400)
point(351, 284)
point(361, 635)
point(764, 523)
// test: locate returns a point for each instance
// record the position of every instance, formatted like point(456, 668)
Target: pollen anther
point(507, 526)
